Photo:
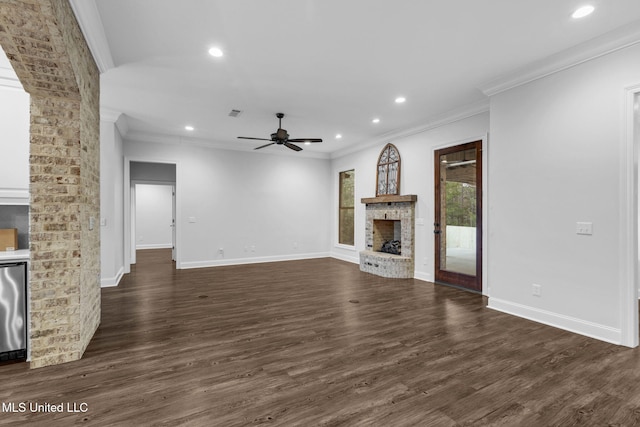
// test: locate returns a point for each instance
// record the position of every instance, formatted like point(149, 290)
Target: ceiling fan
point(281, 137)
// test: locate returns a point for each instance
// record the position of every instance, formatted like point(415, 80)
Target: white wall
point(14, 145)
point(255, 206)
point(111, 204)
point(417, 175)
point(557, 157)
point(154, 214)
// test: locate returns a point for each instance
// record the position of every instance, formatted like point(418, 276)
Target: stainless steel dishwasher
point(13, 311)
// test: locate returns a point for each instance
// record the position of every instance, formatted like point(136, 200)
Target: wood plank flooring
point(317, 342)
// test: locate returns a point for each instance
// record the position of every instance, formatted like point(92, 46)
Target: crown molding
point(434, 122)
point(136, 136)
point(123, 125)
point(88, 18)
point(612, 41)
point(108, 115)
point(117, 118)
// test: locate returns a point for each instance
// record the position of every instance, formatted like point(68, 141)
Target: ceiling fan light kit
point(281, 137)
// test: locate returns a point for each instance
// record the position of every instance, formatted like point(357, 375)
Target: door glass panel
point(458, 212)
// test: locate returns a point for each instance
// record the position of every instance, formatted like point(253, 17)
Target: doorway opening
point(458, 216)
point(155, 217)
point(152, 216)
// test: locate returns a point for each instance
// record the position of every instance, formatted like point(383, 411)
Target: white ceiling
point(330, 65)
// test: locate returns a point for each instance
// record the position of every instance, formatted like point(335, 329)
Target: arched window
point(388, 175)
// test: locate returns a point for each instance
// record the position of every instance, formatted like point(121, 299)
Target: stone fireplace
point(389, 218)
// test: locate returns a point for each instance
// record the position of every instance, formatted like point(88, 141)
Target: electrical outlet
point(221, 251)
point(585, 228)
point(536, 290)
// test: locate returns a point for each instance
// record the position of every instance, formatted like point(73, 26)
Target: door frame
point(129, 210)
point(173, 222)
point(628, 214)
point(465, 281)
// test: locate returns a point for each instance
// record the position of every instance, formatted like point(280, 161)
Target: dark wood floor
point(317, 342)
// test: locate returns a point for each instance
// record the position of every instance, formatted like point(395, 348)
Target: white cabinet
point(14, 144)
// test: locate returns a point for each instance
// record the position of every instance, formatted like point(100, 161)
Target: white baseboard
point(156, 246)
point(342, 257)
point(571, 324)
point(109, 282)
point(421, 275)
point(256, 260)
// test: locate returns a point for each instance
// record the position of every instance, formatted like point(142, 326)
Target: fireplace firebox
point(386, 231)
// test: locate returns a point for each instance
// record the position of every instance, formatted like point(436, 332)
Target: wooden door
point(458, 216)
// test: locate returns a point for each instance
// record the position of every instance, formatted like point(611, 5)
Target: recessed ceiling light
point(583, 11)
point(400, 99)
point(189, 128)
point(216, 51)
point(376, 120)
point(338, 136)
point(307, 143)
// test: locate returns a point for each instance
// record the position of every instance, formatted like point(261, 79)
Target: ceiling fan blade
point(293, 147)
point(265, 145)
point(305, 140)
point(259, 139)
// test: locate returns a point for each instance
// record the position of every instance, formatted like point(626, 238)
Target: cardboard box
point(8, 239)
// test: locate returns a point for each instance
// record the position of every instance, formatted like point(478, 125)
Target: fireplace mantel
point(389, 199)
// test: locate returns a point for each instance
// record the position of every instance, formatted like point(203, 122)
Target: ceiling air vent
point(235, 113)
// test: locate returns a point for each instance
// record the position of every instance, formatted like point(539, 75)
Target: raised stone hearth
point(389, 218)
